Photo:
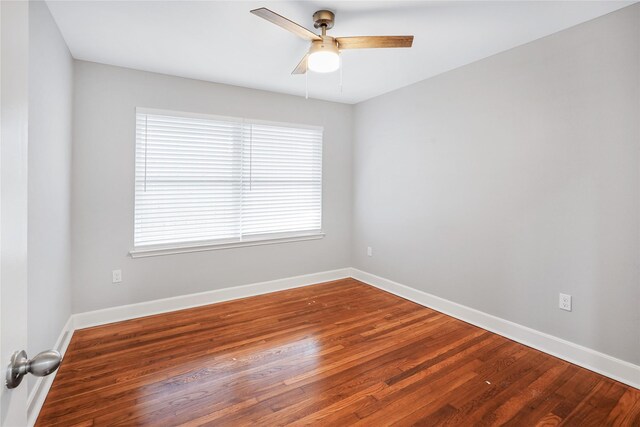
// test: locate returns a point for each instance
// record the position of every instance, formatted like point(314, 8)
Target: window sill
point(182, 249)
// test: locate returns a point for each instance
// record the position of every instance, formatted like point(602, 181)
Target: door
point(14, 54)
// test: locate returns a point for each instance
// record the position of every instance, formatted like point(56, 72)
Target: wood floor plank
point(338, 353)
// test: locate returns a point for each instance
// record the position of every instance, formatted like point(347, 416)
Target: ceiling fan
point(324, 52)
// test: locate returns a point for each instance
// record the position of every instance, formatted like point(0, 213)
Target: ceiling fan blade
point(301, 68)
point(285, 23)
point(369, 42)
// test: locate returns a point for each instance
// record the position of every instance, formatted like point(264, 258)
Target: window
point(209, 181)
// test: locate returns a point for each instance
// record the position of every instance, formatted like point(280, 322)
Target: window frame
point(207, 245)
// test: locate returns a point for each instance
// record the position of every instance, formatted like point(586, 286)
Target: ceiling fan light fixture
point(324, 56)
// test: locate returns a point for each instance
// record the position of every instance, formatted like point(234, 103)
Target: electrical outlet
point(565, 302)
point(116, 276)
point(369, 251)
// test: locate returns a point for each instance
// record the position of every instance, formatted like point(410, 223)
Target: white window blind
point(201, 179)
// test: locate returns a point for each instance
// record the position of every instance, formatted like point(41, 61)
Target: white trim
point(148, 308)
point(186, 248)
point(593, 360)
point(125, 312)
point(43, 384)
point(601, 363)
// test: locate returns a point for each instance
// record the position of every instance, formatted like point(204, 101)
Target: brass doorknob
point(41, 365)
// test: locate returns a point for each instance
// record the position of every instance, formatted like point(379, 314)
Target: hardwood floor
point(338, 353)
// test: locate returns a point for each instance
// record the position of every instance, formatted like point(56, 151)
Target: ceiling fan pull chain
point(306, 85)
point(340, 74)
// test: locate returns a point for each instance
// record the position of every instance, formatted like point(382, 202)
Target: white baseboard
point(43, 384)
point(601, 363)
point(125, 312)
point(148, 308)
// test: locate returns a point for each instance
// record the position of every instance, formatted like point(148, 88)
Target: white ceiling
point(221, 41)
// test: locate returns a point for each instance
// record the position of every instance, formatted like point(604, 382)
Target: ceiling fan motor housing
point(327, 43)
point(324, 18)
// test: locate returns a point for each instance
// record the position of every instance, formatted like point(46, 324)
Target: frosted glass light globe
point(324, 56)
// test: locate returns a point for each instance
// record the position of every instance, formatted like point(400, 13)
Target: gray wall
point(103, 188)
point(49, 180)
point(504, 182)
